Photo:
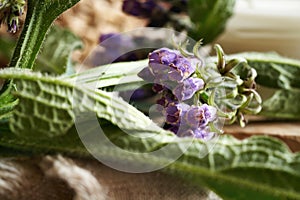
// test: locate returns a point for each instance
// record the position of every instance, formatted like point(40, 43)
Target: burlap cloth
point(58, 177)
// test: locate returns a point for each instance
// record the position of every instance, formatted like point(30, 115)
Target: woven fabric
point(63, 178)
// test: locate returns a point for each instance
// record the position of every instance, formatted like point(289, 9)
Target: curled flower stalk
point(194, 97)
point(10, 11)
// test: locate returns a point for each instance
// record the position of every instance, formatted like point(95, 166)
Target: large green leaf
point(55, 56)
point(111, 74)
point(284, 104)
point(255, 168)
point(47, 104)
point(7, 102)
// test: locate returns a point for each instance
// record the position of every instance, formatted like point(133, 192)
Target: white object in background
point(264, 25)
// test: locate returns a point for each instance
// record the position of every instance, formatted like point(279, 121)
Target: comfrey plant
point(188, 90)
point(58, 112)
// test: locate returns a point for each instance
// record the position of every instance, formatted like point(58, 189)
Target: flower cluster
point(171, 71)
point(158, 12)
point(194, 97)
point(146, 9)
point(10, 11)
point(173, 77)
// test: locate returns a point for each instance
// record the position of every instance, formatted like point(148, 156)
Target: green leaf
point(283, 104)
point(55, 56)
point(68, 144)
point(258, 167)
point(209, 18)
point(273, 70)
point(111, 74)
point(7, 102)
point(46, 106)
point(255, 168)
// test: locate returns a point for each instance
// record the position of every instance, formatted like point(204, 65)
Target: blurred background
point(264, 25)
point(256, 25)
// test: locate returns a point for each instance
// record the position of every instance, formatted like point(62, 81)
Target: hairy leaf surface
point(258, 167)
point(284, 103)
point(47, 105)
point(55, 56)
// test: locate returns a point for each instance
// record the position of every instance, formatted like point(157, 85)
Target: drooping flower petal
point(147, 75)
point(170, 65)
point(186, 89)
point(199, 116)
point(174, 111)
point(204, 133)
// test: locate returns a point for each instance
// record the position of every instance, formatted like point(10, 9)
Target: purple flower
point(104, 37)
point(185, 132)
point(199, 116)
point(116, 41)
point(147, 75)
point(201, 133)
point(139, 8)
point(186, 89)
point(204, 133)
point(114, 48)
point(188, 121)
point(195, 117)
point(157, 88)
point(163, 56)
point(174, 111)
point(9, 14)
point(173, 129)
point(170, 65)
point(210, 112)
point(166, 99)
point(12, 26)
